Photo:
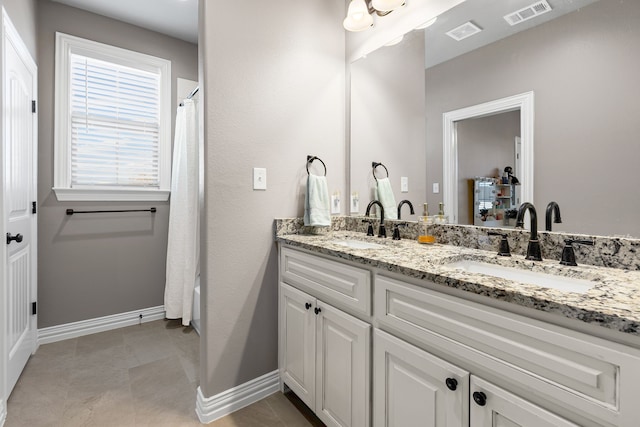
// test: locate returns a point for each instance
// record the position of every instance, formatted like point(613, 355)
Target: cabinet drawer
point(574, 369)
point(344, 286)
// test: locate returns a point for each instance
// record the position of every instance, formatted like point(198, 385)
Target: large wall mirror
point(580, 60)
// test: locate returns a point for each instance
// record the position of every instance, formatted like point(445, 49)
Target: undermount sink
point(545, 280)
point(358, 244)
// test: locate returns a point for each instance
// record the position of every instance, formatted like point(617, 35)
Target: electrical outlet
point(436, 188)
point(355, 202)
point(259, 178)
point(335, 203)
point(404, 184)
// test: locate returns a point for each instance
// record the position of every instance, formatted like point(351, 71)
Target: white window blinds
point(114, 124)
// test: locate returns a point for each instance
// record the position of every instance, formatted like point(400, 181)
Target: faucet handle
point(504, 249)
point(369, 228)
point(396, 230)
point(568, 254)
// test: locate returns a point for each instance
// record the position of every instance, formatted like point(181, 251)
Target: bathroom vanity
point(394, 333)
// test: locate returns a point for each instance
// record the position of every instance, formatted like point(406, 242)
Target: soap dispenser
point(441, 218)
point(424, 222)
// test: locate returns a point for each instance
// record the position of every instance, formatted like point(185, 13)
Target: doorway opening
point(524, 103)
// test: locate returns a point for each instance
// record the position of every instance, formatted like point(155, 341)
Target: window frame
point(65, 46)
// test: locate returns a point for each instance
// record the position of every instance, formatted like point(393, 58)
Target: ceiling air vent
point(528, 12)
point(463, 31)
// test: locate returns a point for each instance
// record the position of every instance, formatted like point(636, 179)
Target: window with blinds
point(115, 121)
point(112, 123)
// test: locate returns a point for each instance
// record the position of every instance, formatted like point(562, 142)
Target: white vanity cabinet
point(365, 347)
point(538, 369)
point(297, 336)
point(412, 387)
point(493, 406)
point(324, 353)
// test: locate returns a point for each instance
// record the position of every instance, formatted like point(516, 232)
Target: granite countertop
point(613, 302)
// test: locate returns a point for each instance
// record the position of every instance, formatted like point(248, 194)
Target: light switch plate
point(404, 184)
point(259, 178)
point(436, 188)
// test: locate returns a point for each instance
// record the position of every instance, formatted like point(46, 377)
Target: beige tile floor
point(143, 375)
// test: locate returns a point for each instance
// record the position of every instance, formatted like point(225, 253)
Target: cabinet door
point(412, 387)
point(297, 343)
point(492, 406)
point(342, 382)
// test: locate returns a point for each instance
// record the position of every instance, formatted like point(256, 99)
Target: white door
point(517, 167)
point(19, 191)
point(492, 406)
point(414, 388)
point(342, 368)
point(297, 342)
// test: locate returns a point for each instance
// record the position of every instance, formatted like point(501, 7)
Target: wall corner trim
point(212, 408)
point(99, 324)
point(3, 409)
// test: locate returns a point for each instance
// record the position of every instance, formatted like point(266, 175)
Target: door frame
point(523, 102)
point(9, 34)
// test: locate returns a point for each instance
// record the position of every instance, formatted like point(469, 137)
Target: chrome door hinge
point(33, 106)
point(34, 207)
point(34, 308)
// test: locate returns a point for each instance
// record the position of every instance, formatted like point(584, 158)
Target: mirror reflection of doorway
point(486, 145)
point(451, 177)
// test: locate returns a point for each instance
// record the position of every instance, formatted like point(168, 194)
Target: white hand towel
point(385, 196)
point(316, 202)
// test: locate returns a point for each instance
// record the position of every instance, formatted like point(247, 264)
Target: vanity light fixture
point(427, 24)
point(360, 12)
point(358, 17)
point(394, 41)
point(386, 5)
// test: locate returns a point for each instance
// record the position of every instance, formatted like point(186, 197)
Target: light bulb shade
point(386, 5)
point(358, 18)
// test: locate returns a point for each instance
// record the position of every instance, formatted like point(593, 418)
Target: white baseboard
point(195, 324)
point(212, 408)
point(3, 413)
point(99, 324)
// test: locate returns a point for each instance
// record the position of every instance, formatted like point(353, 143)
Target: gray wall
point(23, 15)
point(273, 93)
point(96, 265)
point(583, 68)
point(393, 81)
point(485, 146)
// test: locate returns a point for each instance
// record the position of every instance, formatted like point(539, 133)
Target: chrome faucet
point(411, 211)
point(552, 208)
point(533, 250)
point(382, 232)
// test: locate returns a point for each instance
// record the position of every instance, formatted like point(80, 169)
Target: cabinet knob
point(17, 238)
point(317, 310)
point(480, 398)
point(452, 383)
point(307, 305)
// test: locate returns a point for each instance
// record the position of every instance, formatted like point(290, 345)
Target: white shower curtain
point(183, 245)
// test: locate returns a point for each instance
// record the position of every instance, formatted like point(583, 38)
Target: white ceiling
point(176, 18)
point(179, 18)
point(488, 15)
